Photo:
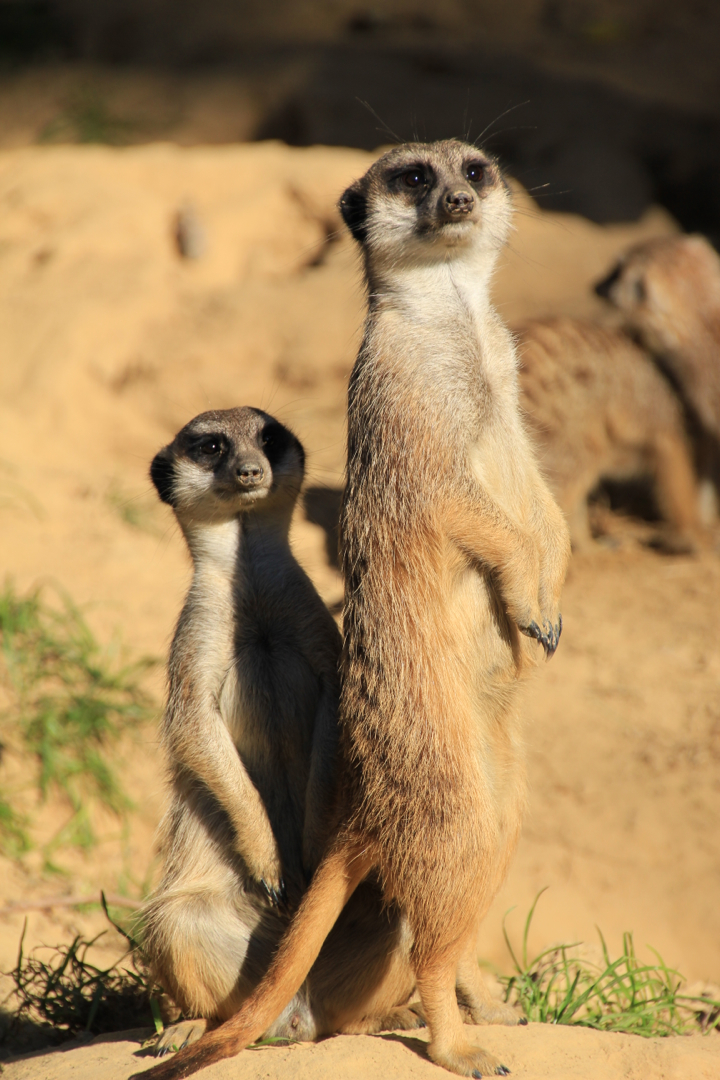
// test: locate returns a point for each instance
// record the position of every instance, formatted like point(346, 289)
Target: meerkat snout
point(250, 473)
point(458, 203)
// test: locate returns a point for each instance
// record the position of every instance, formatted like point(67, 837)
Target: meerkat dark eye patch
point(475, 172)
point(275, 441)
point(162, 475)
point(414, 178)
point(207, 449)
point(211, 447)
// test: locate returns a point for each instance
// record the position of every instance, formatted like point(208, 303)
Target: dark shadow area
point(28, 1036)
point(322, 507)
point(34, 30)
point(633, 498)
point(577, 145)
point(596, 109)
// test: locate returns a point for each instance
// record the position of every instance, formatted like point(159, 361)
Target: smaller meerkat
point(600, 410)
point(250, 731)
point(668, 291)
point(250, 724)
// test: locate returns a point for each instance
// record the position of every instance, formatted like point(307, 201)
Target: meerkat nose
point(458, 202)
point(250, 473)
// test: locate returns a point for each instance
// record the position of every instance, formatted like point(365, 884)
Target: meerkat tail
point(334, 882)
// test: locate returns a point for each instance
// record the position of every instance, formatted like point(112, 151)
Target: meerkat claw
point(533, 631)
point(277, 897)
point(523, 1022)
point(548, 637)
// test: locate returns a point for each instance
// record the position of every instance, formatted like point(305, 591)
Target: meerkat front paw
point(548, 635)
point(275, 893)
point(175, 1037)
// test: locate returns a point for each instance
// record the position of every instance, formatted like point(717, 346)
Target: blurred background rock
point(601, 106)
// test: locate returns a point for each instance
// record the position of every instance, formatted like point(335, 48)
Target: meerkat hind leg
point(406, 1018)
point(476, 1003)
point(449, 1046)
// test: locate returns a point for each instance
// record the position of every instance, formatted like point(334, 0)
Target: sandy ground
point(109, 342)
point(537, 1052)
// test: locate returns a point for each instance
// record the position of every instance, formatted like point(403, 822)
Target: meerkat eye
point(269, 436)
point(211, 446)
point(475, 172)
point(275, 441)
point(414, 178)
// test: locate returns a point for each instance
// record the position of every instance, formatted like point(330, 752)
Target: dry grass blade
point(66, 994)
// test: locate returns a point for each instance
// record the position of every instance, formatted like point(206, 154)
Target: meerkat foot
point(468, 1061)
point(409, 1018)
point(548, 637)
point(179, 1035)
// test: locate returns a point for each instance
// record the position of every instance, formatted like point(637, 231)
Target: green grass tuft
point(561, 986)
point(69, 703)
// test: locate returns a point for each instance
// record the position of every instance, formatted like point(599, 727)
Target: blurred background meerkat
point(668, 291)
point(600, 410)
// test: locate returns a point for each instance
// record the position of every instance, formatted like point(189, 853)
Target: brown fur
point(600, 410)
point(250, 732)
point(668, 291)
point(454, 555)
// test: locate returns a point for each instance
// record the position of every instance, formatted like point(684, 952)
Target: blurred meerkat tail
point(334, 882)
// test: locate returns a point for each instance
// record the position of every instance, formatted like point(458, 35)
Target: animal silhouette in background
point(668, 291)
point(599, 410)
point(454, 553)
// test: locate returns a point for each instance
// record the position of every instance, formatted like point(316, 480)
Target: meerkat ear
point(162, 475)
point(602, 288)
point(702, 247)
point(353, 207)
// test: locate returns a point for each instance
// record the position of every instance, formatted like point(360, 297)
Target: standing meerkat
point(454, 554)
point(250, 731)
point(668, 291)
point(599, 409)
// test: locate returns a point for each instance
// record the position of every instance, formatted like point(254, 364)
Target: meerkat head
point(427, 202)
point(228, 462)
point(664, 287)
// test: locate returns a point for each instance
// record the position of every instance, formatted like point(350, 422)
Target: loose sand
point(537, 1052)
point(109, 342)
